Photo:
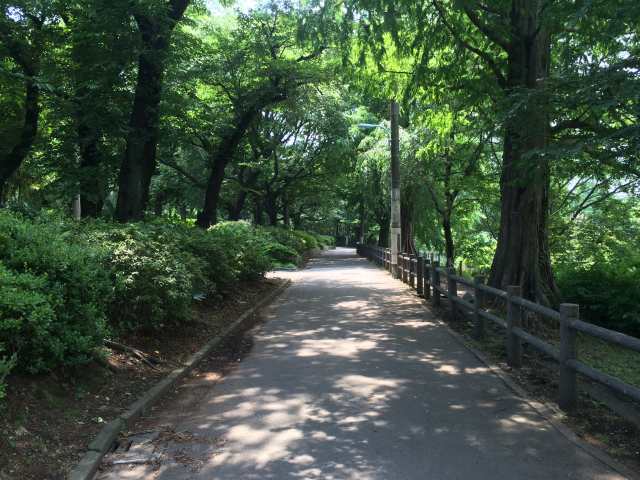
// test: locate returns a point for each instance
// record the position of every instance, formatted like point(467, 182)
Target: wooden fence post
point(435, 283)
point(420, 276)
point(479, 323)
point(412, 270)
point(452, 291)
point(568, 378)
point(514, 319)
point(426, 269)
point(405, 270)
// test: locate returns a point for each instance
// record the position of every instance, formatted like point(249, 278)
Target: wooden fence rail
point(427, 277)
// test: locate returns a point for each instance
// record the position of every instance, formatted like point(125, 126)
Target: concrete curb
point(88, 465)
point(548, 411)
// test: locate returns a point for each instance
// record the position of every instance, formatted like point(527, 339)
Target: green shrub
point(282, 254)
point(286, 237)
point(607, 294)
point(325, 240)
point(53, 296)
point(245, 247)
point(217, 270)
point(28, 318)
point(308, 239)
point(153, 279)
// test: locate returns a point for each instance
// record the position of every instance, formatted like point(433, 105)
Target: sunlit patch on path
point(351, 378)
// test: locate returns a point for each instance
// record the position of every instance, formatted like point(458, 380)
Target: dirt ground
point(48, 420)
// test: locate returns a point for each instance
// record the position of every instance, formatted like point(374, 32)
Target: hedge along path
point(88, 465)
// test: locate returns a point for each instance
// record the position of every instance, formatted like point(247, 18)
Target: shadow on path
point(351, 378)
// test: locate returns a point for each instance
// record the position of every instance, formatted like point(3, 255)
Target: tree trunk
point(448, 241)
point(140, 154)
point(522, 254)
point(222, 157)
point(209, 214)
point(235, 213)
point(286, 216)
point(257, 211)
point(406, 217)
point(91, 185)
point(271, 207)
point(183, 211)
point(383, 234)
point(12, 160)
point(139, 162)
point(158, 206)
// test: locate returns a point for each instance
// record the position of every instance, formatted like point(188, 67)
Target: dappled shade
point(351, 378)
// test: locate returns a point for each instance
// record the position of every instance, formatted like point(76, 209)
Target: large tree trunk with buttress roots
point(522, 255)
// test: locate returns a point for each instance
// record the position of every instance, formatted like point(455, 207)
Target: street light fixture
point(395, 182)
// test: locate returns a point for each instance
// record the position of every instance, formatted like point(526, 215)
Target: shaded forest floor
point(48, 420)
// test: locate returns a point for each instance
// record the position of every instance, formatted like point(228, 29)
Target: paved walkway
point(351, 378)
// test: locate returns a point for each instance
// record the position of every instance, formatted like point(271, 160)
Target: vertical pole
point(452, 291)
point(568, 381)
point(77, 207)
point(426, 272)
point(435, 282)
point(420, 276)
point(405, 268)
point(479, 323)
point(514, 320)
point(395, 186)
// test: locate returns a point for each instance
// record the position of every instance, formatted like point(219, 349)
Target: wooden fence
point(427, 278)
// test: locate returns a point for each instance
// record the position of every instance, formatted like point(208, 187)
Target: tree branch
point(486, 31)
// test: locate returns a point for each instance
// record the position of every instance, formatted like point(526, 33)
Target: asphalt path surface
point(350, 377)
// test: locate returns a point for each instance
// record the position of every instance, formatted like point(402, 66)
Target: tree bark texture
point(28, 58)
point(522, 255)
point(92, 189)
point(139, 161)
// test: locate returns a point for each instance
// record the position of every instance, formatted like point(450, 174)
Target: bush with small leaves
point(282, 255)
point(153, 279)
point(245, 247)
point(54, 293)
point(607, 293)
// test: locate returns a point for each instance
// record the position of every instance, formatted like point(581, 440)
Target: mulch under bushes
point(47, 421)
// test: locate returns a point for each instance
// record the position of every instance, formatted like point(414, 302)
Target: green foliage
point(308, 239)
point(607, 293)
point(476, 250)
point(282, 254)
point(153, 281)
point(245, 247)
point(325, 240)
point(286, 237)
point(54, 294)
point(216, 272)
